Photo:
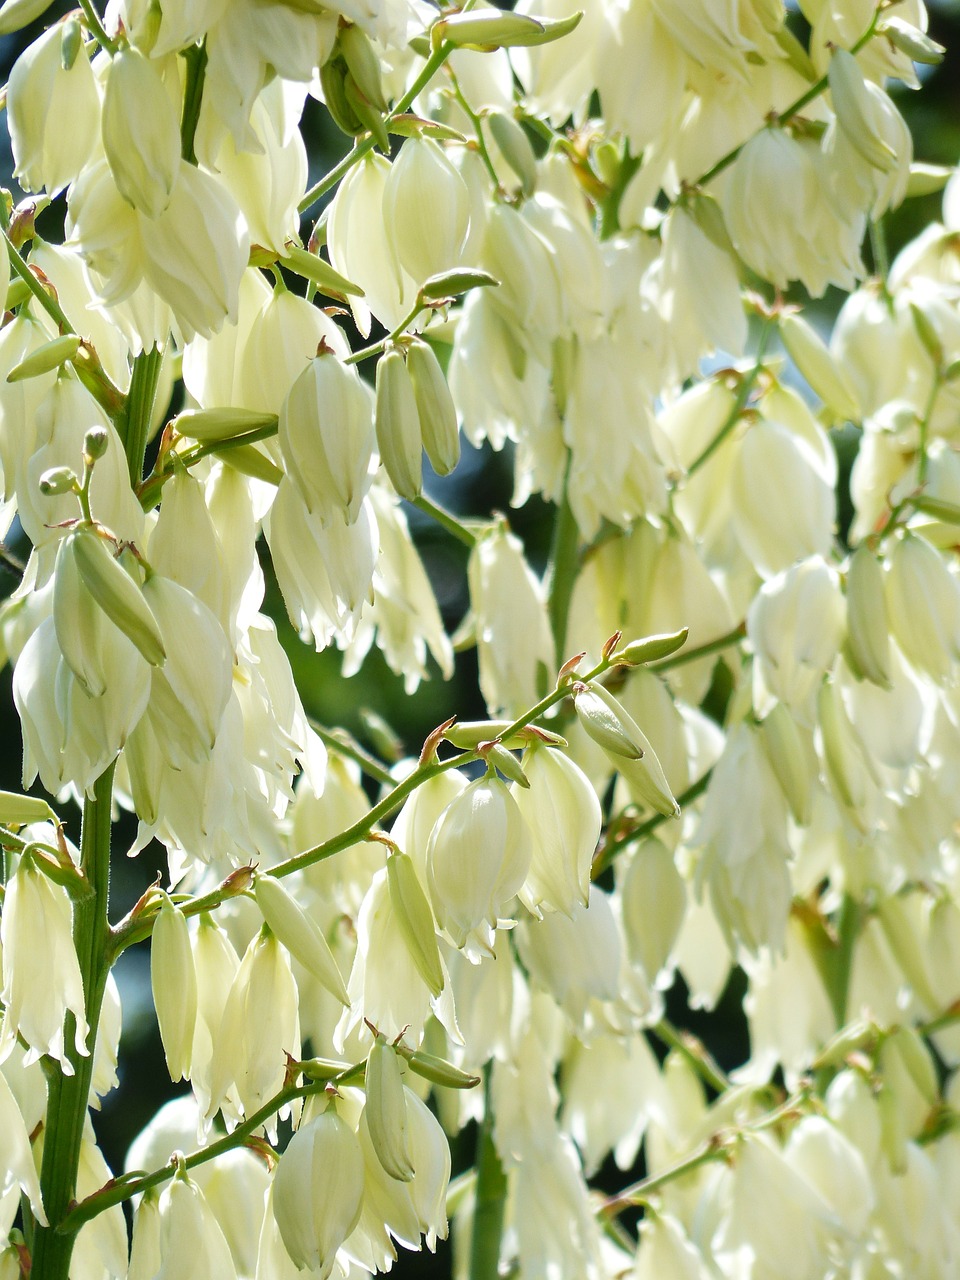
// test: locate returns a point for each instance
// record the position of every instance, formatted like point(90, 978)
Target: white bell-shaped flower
point(327, 438)
point(53, 113)
point(318, 1191)
point(141, 131)
point(477, 859)
point(41, 972)
point(561, 809)
point(426, 209)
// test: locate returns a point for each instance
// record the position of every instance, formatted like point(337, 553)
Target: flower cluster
point(723, 730)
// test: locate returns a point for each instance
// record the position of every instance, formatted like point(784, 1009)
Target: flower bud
point(327, 436)
point(386, 1110)
point(848, 767)
point(141, 132)
point(562, 812)
point(398, 426)
point(438, 414)
point(793, 762)
point(191, 1241)
point(923, 599)
point(318, 1190)
point(17, 811)
point(79, 621)
point(812, 357)
point(173, 979)
point(221, 424)
point(489, 30)
point(299, 934)
point(607, 722)
point(413, 914)
point(855, 111)
point(653, 903)
point(651, 648)
point(52, 355)
point(867, 647)
point(120, 598)
point(426, 206)
point(56, 481)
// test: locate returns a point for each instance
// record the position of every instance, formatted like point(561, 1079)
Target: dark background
point(482, 483)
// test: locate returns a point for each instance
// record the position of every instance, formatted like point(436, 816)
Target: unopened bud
point(515, 147)
point(439, 430)
point(850, 1039)
point(17, 810)
point(398, 426)
point(854, 108)
point(413, 914)
point(812, 357)
point(119, 596)
point(386, 1111)
point(299, 934)
point(450, 284)
point(57, 481)
point(362, 63)
point(493, 30)
point(52, 355)
point(312, 267)
point(438, 1070)
point(792, 763)
point(95, 443)
point(868, 630)
point(173, 978)
point(916, 44)
point(607, 722)
point(469, 734)
point(495, 753)
point(651, 648)
point(221, 424)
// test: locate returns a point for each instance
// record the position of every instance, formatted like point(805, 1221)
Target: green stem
point(924, 429)
point(640, 1192)
point(478, 129)
point(96, 27)
point(117, 1191)
point(68, 1096)
point(878, 247)
point(695, 1052)
point(196, 60)
point(446, 519)
point(339, 741)
point(562, 574)
point(743, 395)
point(491, 1197)
point(90, 371)
point(149, 489)
point(374, 349)
point(606, 855)
point(608, 222)
point(330, 180)
point(133, 426)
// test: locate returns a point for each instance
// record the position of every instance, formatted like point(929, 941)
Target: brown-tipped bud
point(386, 1111)
point(437, 1070)
point(95, 444)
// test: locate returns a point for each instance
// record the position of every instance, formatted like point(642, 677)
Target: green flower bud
point(52, 355)
point(221, 424)
point(299, 934)
point(95, 443)
point(492, 30)
point(439, 429)
point(415, 918)
point(510, 136)
point(173, 978)
point(118, 596)
point(450, 284)
point(398, 426)
point(438, 1070)
point(57, 481)
point(868, 630)
point(386, 1111)
point(651, 648)
point(608, 723)
point(17, 810)
point(363, 64)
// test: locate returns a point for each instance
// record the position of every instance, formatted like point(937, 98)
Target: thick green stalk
point(564, 563)
point(67, 1096)
point(134, 424)
point(491, 1198)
